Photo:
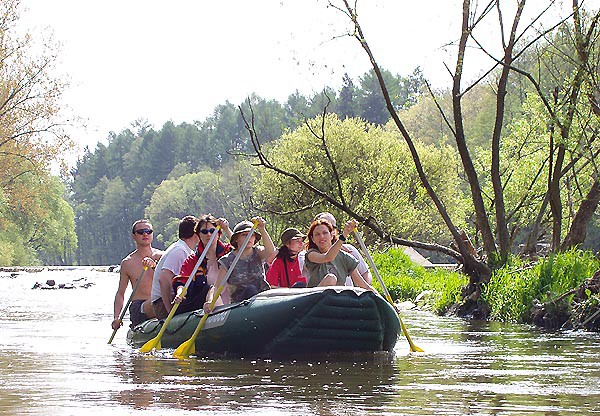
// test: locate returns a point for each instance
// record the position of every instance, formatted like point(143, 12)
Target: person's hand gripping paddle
point(127, 304)
point(154, 343)
point(188, 347)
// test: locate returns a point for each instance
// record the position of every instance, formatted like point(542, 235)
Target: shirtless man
point(144, 254)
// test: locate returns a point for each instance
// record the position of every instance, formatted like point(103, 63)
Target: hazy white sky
point(177, 60)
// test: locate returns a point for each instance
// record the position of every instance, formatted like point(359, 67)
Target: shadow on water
point(332, 385)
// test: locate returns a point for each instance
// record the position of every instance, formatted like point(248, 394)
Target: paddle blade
point(186, 349)
point(153, 344)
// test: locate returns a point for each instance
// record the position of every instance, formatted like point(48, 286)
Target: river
point(55, 360)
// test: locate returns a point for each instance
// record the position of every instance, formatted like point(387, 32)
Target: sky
point(176, 61)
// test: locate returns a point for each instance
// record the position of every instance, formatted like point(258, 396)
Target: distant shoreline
point(37, 269)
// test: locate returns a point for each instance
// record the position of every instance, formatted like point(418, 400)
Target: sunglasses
point(144, 231)
point(208, 230)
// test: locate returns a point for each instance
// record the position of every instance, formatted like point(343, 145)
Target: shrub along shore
point(559, 291)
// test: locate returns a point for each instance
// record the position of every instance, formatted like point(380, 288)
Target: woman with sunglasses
point(199, 287)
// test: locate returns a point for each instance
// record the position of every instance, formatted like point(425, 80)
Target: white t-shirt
point(362, 265)
point(171, 260)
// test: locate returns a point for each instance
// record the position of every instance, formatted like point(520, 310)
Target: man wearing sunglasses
point(132, 266)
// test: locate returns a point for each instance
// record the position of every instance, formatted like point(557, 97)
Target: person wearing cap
point(248, 277)
point(362, 268)
point(326, 263)
point(200, 285)
point(285, 270)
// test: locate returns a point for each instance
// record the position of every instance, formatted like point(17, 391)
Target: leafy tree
point(346, 104)
point(58, 241)
point(377, 179)
point(31, 138)
point(192, 194)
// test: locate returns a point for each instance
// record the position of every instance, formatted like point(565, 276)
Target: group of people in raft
point(319, 258)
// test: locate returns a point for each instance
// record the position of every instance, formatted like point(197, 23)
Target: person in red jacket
point(199, 287)
point(285, 270)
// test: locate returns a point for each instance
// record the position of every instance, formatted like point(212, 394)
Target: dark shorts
point(135, 312)
point(194, 301)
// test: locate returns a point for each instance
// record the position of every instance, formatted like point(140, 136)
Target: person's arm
point(269, 247)
point(178, 298)
point(362, 268)
point(149, 262)
point(165, 279)
point(272, 257)
point(367, 277)
point(358, 280)
point(225, 227)
point(222, 271)
point(316, 257)
point(120, 296)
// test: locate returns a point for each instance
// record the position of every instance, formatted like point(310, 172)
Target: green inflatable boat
point(286, 322)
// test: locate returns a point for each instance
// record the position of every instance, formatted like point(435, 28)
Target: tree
point(195, 193)
point(30, 129)
point(493, 225)
point(31, 138)
point(346, 105)
point(377, 177)
point(496, 245)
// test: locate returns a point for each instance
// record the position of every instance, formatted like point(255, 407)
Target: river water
point(55, 360)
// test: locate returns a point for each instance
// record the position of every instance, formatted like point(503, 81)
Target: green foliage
point(513, 288)
point(40, 230)
point(141, 158)
point(406, 280)
point(57, 243)
point(192, 194)
point(376, 171)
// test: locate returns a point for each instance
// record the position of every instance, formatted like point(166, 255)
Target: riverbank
point(561, 291)
point(37, 269)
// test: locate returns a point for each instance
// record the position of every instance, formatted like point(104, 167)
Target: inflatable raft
point(285, 322)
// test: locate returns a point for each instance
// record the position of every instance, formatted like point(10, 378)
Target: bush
point(513, 288)
point(405, 280)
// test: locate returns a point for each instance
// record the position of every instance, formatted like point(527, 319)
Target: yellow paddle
point(413, 347)
point(188, 347)
point(127, 304)
point(154, 343)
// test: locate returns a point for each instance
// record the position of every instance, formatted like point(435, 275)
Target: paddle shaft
point(137, 284)
point(155, 342)
point(184, 349)
point(413, 347)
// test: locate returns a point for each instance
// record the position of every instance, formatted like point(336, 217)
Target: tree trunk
point(584, 214)
point(481, 219)
point(501, 221)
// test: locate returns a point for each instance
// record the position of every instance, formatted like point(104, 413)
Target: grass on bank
point(509, 294)
point(512, 290)
point(405, 281)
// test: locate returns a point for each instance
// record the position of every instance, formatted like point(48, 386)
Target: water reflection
point(305, 387)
